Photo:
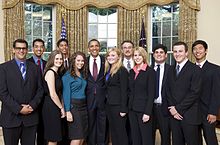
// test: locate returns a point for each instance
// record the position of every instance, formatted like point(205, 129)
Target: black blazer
point(15, 91)
point(183, 92)
point(31, 59)
point(98, 85)
point(117, 89)
point(210, 91)
point(142, 90)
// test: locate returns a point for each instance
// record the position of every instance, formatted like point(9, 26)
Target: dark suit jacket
point(117, 89)
point(15, 91)
point(98, 99)
point(210, 91)
point(142, 90)
point(183, 92)
point(32, 60)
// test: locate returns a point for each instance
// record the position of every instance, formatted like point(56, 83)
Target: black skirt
point(78, 129)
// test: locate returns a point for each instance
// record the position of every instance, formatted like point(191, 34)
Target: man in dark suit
point(20, 92)
point(127, 47)
point(183, 89)
point(160, 107)
point(209, 97)
point(38, 50)
point(95, 92)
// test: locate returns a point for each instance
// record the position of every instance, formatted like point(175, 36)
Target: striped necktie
point(23, 70)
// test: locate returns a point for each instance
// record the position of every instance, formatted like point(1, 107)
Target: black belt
point(157, 104)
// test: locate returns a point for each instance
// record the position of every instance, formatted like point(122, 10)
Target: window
point(38, 24)
point(164, 22)
point(102, 25)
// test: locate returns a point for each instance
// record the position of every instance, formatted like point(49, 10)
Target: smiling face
point(179, 53)
point(138, 58)
point(94, 48)
point(20, 50)
point(112, 57)
point(58, 60)
point(63, 47)
point(199, 52)
point(127, 49)
point(38, 49)
point(79, 62)
point(159, 55)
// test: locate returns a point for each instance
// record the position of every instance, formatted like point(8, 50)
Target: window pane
point(156, 41)
point(47, 29)
point(157, 29)
point(167, 42)
point(112, 30)
point(102, 31)
point(27, 25)
point(112, 43)
point(166, 28)
point(48, 44)
point(37, 12)
point(29, 41)
point(113, 18)
point(47, 14)
point(102, 19)
point(37, 28)
point(93, 31)
point(175, 28)
point(93, 18)
point(103, 43)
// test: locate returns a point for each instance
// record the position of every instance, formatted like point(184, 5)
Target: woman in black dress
point(53, 109)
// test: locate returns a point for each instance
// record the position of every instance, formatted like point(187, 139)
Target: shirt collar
point(182, 63)
point(201, 63)
point(143, 67)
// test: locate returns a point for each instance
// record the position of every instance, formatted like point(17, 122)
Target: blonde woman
point(116, 103)
point(142, 81)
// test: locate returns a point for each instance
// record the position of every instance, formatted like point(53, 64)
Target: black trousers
point(162, 123)
point(98, 132)
point(40, 129)
point(184, 133)
point(208, 132)
point(141, 132)
point(117, 125)
point(26, 135)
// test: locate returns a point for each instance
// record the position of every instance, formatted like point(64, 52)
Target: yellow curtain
point(129, 24)
point(76, 25)
point(187, 25)
point(127, 4)
point(13, 27)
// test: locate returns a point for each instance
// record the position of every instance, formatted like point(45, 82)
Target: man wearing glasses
point(20, 93)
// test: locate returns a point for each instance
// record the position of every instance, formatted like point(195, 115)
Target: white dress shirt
point(91, 61)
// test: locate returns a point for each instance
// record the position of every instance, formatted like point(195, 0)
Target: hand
point(62, 112)
point(172, 110)
point(69, 116)
point(122, 114)
point(178, 116)
point(145, 118)
point(26, 109)
point(211, 118)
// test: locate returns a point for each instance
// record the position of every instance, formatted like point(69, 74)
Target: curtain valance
point(78, 4)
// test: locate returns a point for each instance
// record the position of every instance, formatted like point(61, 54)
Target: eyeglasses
point(20, 48)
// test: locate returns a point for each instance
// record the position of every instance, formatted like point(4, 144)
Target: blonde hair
point(142, 52)
point(115, 67)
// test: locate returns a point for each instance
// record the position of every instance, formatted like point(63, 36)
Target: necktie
point(65, 64)
point(177, 70)
point(39, 65)
point(157, 81)
point(128, 65)
point(23, 70)
point(95, 70)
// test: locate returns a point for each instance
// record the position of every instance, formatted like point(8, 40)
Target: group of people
point(73, 99)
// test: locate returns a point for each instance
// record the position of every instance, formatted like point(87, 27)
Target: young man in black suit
point(160, 108)
point(183, 90)
point(209, 97)
point(95, 92)
point(38, 50)
point(20, 92)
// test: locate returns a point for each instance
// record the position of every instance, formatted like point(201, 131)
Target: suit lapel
point(183, 70)
point(16, 69)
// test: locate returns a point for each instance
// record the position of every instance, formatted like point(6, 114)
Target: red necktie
point(95, 70)
point(39, 65)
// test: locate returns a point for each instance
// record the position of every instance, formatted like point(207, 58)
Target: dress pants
point(184, 133)
point(141, 132)
point(26, 135)
point(162, 123)
point(97, 127)
point(117, 125)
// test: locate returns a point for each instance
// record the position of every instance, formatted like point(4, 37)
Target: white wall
point(1, 35)
point(209, 28)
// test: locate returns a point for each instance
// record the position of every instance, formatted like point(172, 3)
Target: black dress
point(51, 112)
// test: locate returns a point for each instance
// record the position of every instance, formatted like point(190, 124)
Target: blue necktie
point(23, 70)
point(157, 81)
point(177, 70)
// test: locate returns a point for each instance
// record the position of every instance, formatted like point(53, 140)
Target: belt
point(157, 104)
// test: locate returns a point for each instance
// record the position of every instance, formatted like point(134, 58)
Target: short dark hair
point(203, 43)
point(127, 41)
point(94, 40)
point(61, 40)
point(160, 46)
point(181, 43)
point(38, 40)
point(20, 41)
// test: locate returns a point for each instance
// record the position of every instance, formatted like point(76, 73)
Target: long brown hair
point(72, 67)
point(50, 61)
